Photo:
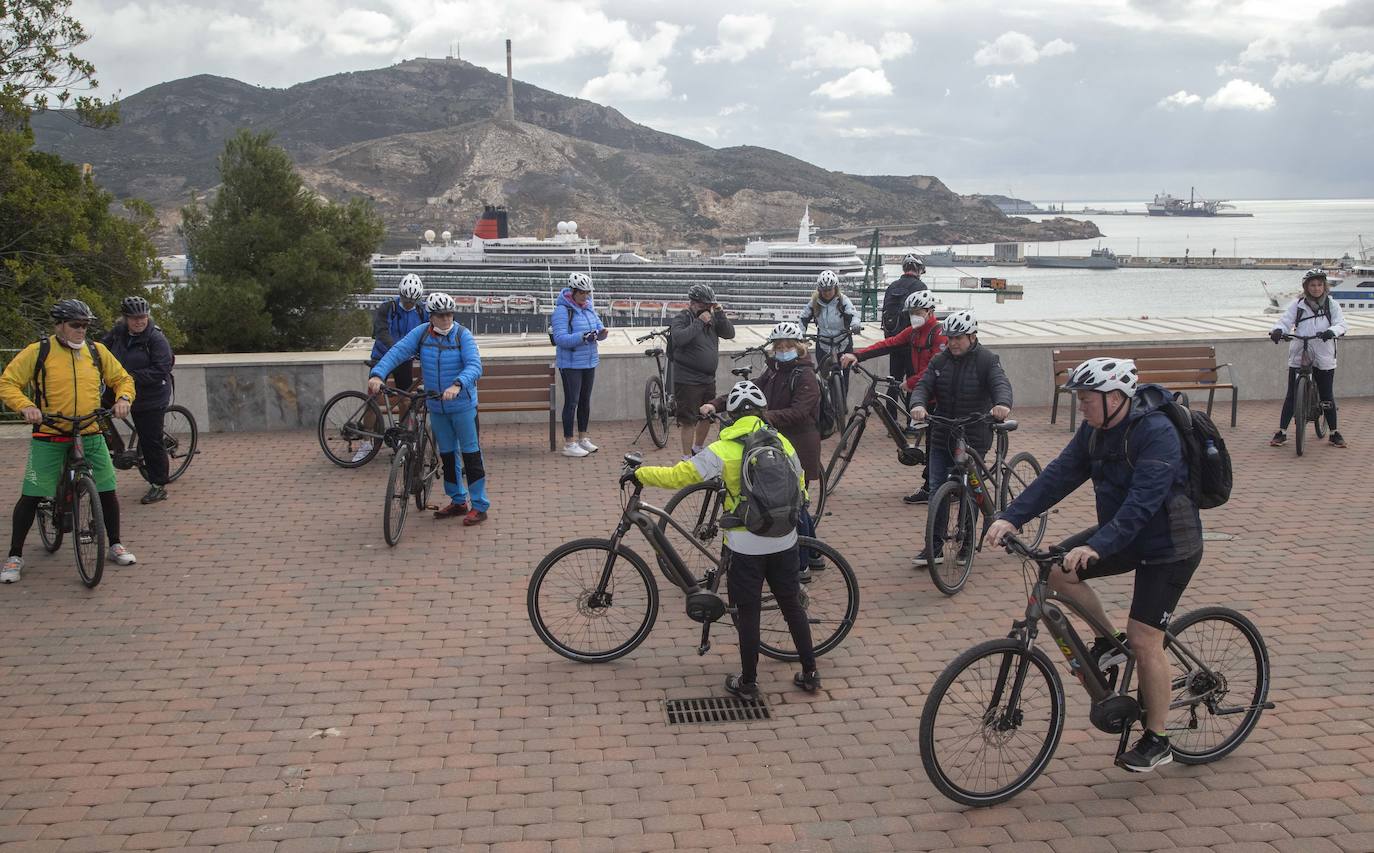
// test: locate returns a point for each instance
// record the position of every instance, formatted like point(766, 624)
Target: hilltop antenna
point(510, 87)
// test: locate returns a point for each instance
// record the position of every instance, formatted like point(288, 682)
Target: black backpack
point(1209, 462)
point(570, 319)
point(40, 367)
point(770, 494)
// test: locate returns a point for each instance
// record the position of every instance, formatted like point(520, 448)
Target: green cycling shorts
point(47, 457)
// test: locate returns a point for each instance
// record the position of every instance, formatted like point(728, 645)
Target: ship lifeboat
point(492, 304)
point(674, 307)
point(525, 304)
point(465, 303)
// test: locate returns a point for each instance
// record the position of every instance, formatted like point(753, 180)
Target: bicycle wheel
point(1215, 706)
point(49, 525)
point(844, 452)
point(341, 431)
point(951, 563)
point(425, 471)
point(1300, 415)
point(88, 532)
point(830, 419)
point(397, 496)
point(656, 413)
point(991, 723)
point(179, 436)
point(830, 596)
point(579, 623)
point(1020, 471)
point(1314, 408)
point(697, 508)
point(817, 492)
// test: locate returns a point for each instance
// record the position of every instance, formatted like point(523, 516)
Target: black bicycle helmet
point(134, 306)
point(67, 310)
point(701, 293)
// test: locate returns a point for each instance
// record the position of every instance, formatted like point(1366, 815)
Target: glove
point(589, 336)
point(1275, 335)
point(1326, 334)
point(628, 477)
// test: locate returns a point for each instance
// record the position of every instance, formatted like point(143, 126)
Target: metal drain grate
point(715, 709)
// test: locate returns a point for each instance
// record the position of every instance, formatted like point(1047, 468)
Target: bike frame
point(75, 465)
point(879, 403)
point(966, 462)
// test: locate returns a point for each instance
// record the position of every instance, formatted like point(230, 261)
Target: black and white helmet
point(826, 279)
point(1104, 374)
point(744, 396)
point(701, 293)
point(441, 303)
point(67, 310)
point(786, 331)
point(1315, 272)
point(580, 281)
point(920, 299)
point(911, 262)
point(134, 306)
point(961, 323)
point(411, 289)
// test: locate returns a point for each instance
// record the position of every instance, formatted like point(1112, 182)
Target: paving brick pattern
point(272, 677)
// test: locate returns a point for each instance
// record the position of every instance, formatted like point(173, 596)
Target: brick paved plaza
point(272, 677)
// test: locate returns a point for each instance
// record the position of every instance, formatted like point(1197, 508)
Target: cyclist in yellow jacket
point(751, 557)
point(67, 383)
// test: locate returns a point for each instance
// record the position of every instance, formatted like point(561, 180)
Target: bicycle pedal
point(703, 648)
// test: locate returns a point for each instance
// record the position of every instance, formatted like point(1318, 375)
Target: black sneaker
point(1280, 439)
point(923, 559)
point(808, 681)
point(1148, 753)
point(154, 494)
point(1106, 654)
point(918, 497)
point(1337, 440)
point(743, 689)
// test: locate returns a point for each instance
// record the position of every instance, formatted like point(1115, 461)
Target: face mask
point(917, 319)
point(790, 355)
point(78, 345)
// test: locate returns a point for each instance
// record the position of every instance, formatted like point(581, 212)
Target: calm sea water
point(1308, 228)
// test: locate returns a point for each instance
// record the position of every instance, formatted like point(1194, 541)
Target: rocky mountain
point(420, 140)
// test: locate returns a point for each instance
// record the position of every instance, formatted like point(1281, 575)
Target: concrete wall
point(257, 391)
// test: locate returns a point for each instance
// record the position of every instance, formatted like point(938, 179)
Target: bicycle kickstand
point(705, 639)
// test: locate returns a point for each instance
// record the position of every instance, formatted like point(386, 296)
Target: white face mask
point(444, 330)
point(74, 345)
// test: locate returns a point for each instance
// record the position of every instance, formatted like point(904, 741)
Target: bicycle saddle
point(653, 352)
point(1005, 426)
point(742, 372)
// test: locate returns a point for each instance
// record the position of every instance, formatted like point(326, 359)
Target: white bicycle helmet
point(961, 323)
point(1315, 272)
point(580, 281)
point(1104, 374)
point(786, 331)
point(745, 395)
point(912, 262)
point(827, 278)
point(441, 303)
point(411, 289)
point(701, 293)
point(920, 299)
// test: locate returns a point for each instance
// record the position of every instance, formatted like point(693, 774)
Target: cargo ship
point(1099, 259)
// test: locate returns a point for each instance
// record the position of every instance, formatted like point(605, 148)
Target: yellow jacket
point(71, 381)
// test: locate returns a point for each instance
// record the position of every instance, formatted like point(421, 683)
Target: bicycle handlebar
point(661, 333)
point(748, 351)
point(51, 419)
point(413, 395)
point(875, 377)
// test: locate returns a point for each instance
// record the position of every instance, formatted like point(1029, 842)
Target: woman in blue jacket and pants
point(449, 360)
point(575, 329)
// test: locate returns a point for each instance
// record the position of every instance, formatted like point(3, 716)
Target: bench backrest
point(507, 382)
point(1165, 365)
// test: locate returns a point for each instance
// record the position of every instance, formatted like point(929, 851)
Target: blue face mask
point(790, 355)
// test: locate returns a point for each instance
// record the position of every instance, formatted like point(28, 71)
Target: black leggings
point(27, 508)
point(1325, 381)
point(577, 394)
point(745, 585)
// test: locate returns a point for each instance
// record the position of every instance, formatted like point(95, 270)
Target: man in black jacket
point(965, 379)
point(146, 356)
point(694, 337)
point(894, 316)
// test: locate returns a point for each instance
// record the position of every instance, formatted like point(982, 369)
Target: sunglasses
point(78, 325)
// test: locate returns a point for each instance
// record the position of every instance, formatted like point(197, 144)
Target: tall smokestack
point(510, 87)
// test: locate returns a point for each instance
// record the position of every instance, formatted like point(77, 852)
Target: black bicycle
point(973, 490)
point(994, 717)
point(830, 417)
point(354, 421)
point(595, 600)
point(180, 435)
point(881, 404)
point(415, 466)
point(75, 508)
point(1307, 403)
point(659, 404)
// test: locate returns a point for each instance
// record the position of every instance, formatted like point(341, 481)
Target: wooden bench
point(1184, 368)
point(518, 386)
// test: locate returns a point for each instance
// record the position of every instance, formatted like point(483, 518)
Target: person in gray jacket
point(694, 347)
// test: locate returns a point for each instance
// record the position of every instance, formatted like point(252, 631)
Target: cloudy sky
point(1044, 99)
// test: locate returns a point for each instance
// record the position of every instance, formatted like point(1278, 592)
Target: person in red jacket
point(925, 339)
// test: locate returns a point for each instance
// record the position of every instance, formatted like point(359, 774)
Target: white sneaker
point(363, 449)
point(121, 555)
point(586, 444)
point(574, 449)
point(10, 574)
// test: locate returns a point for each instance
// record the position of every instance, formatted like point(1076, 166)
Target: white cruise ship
point(516, 277)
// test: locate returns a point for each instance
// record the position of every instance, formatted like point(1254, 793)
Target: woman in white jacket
point(1312, 314)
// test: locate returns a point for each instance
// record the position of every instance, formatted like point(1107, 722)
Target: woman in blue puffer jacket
point(575, 329)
